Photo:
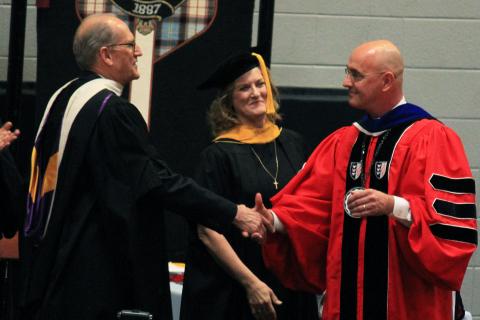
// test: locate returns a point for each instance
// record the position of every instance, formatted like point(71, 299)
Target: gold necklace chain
point(275, 181)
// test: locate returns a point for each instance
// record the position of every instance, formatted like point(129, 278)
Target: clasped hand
point(254, 222)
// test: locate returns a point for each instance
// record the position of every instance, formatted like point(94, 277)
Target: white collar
point(402, 101)
point(113, 85)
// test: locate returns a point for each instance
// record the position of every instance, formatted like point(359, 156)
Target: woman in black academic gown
point(225, 276)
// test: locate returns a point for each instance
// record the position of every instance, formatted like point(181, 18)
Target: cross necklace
point(275, 181)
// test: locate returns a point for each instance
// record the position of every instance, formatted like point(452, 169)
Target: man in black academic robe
point(94, 232)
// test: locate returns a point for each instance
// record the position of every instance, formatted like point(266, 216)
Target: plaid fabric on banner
point(190, 19)
point(88, 7)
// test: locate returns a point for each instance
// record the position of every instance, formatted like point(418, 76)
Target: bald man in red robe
point(382, 216)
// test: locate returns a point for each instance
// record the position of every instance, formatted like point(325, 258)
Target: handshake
point(254, 222)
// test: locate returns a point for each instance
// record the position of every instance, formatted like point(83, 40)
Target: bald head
point(380, 56)
point(374, 77)
point(94, 32)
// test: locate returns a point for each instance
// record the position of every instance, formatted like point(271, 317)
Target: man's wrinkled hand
point(249, 221)
point(267, 219)
point(370, 202)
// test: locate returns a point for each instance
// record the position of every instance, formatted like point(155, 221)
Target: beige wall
point(30, 64)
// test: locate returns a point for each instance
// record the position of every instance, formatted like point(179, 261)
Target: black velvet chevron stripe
point(375, 289)
point(462, 185)
point(351, 233)
point(456, 210)
point(455, 233)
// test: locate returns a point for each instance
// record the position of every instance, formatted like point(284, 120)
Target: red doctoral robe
point(376, 268)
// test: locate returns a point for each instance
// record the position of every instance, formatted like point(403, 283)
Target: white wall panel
point(307, 76)
point(446, 93)
point(309, 39)
point(442, 43)
point(467, 130)
point(4, 30)
point(398, 8)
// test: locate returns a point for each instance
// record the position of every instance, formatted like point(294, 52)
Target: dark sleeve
point(214, 172)
point(12, 199)
point(132, 164)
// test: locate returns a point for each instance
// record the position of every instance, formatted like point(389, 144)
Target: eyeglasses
point(131, 45)
point(356, 76)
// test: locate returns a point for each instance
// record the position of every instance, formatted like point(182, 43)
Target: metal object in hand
point(345, 201)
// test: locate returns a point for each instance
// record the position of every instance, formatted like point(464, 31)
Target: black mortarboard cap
point(229, 70)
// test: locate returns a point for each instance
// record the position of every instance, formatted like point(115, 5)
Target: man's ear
point(388, 80)
point(105, 56)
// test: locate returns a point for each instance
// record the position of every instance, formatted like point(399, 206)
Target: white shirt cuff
point(277, 224)
point(401, 211)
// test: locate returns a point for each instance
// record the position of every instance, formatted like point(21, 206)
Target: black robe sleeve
point(130, 165)
point(11, 196)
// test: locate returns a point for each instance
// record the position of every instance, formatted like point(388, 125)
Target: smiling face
point(363, 80)
point(249, 98)
point(373, 77)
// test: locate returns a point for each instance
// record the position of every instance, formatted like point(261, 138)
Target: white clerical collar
point(114, 86)
point(402, 101)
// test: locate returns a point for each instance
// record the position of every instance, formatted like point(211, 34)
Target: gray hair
point(88, 41)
